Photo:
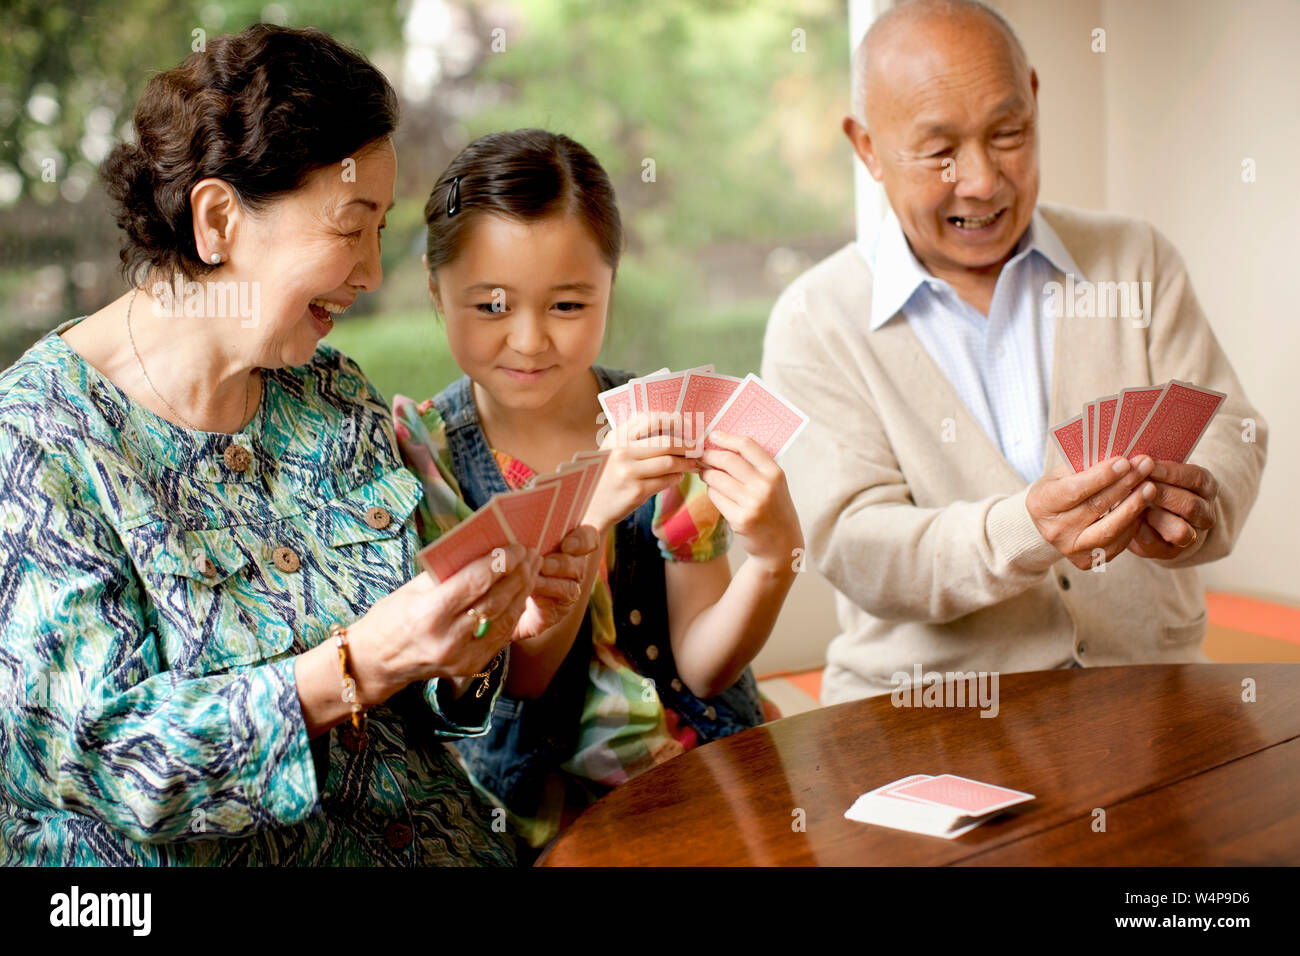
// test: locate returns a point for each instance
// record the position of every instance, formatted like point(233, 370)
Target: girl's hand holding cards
point(749, 489)
point(647, 455)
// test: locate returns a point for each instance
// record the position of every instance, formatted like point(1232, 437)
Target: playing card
point(479, 534)
point(1087, 435)
point(1105, 419)
point(969, 797)
point(567, 480)
point(617, 404)
point(1094, 429)
point(882, 807)
point(1176, 422)
point(663, 391)
point(638, 389)
point(704, 394)
point(595, 462)
point(1069, 439)
point(758, 412)
point(889, 788)
point(1134, 406)
point(527, 511)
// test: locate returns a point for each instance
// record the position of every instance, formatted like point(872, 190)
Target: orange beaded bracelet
point(340, 635)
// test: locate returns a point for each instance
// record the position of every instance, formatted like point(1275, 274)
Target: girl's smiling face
point(525, 306)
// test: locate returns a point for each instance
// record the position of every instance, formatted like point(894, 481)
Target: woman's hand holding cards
point(424, 629)
point(562, 583)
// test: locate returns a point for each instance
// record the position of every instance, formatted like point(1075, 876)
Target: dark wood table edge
point(984, 849)
point(1010, 839)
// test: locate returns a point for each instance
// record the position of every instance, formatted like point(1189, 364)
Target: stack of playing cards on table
point(1163, 421)
point(707, 401)
point(538, 517)
point(944, 806)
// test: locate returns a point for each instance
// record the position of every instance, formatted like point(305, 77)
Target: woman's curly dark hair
point(259, 109)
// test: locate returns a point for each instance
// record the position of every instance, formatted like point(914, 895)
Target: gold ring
point(1193, 541)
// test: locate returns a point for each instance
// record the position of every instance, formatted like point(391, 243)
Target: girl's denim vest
point(528, 739)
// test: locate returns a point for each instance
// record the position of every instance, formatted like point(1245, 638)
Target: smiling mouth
point(324, 310)
point(976, 222)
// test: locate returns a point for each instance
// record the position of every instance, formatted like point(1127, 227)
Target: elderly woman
point(215, 645)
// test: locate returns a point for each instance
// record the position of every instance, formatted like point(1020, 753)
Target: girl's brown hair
point(527, 175)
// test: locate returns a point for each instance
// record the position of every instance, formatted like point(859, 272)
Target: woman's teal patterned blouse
point(148, 710)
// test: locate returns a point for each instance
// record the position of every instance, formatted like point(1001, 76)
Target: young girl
point(524, 240)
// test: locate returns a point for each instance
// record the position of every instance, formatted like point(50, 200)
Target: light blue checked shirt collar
point(896, 272)
point(1000, 366)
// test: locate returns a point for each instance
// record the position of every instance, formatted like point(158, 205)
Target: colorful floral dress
point(156, 584)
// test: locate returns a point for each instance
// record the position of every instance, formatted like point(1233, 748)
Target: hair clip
point(453, 197)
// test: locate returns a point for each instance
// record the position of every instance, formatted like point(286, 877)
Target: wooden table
point(1186, 771)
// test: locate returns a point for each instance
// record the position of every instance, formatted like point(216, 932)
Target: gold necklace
point(140, 362)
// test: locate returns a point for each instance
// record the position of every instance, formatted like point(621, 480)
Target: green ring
point(483, 625)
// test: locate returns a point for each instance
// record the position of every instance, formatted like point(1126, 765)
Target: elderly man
point(932, 363)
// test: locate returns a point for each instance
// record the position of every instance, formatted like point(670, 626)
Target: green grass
point(407, 352)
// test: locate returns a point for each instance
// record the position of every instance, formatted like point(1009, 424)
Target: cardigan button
point(676, 685)
point(237, 457)
point(378, 518)
point(1083, 649)
point(652, 652)
point(1065, 583)
point(710, 712)
point(286, 559)
point(398, 835)
point(635, 618)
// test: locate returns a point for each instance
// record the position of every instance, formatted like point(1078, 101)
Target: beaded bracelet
point(340, 635)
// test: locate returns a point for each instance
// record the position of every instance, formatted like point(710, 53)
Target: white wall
point(1193, 87)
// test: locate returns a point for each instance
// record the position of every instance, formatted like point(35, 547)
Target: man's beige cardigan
point(911, 511)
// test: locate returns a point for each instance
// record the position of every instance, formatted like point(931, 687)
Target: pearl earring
point(216, 258)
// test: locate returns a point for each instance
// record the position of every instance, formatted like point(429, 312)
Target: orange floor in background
point(1241, 629)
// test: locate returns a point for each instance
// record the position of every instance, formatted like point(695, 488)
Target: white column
point(868, 196)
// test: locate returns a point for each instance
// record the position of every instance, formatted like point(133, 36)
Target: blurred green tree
point(717, 120)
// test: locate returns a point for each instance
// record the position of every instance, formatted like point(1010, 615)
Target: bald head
point(947, 116)
point(910, 29)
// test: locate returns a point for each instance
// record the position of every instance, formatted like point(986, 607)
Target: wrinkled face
point(311, 253)
point(525, 306)
point(952, 120)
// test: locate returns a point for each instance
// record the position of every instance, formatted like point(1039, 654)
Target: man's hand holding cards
point(1116, 443)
